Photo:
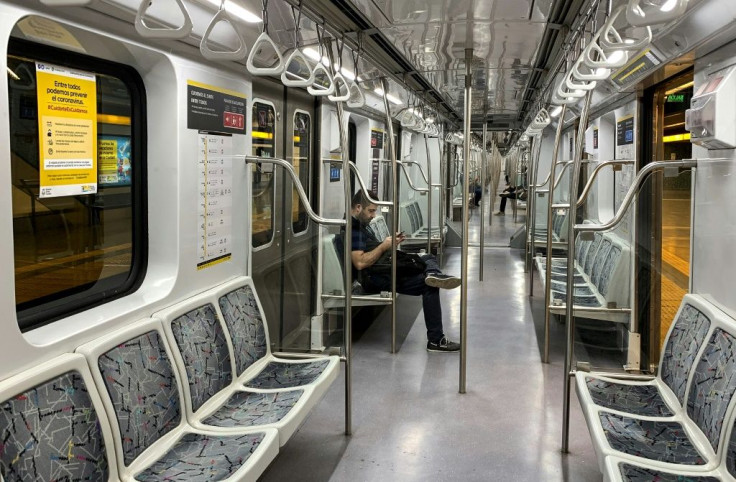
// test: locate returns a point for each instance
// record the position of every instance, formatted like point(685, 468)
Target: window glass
point(76, 165)
point(301, 162)
point(264, 145)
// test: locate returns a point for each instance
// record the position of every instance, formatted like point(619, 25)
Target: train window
point(301, 162)
point(77, 171)
point(264, 145)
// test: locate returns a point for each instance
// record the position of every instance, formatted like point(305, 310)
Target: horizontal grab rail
point(299, 189)
point(594, 174)
point(633, 190)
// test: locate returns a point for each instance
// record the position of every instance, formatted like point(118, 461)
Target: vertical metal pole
point(443, 196)
point(484, 161)
point(531, 208)
point(394, 209)
point(429, 196)
point(466, 177)
point(548, 268)
point(571, 216)
point(348, 263)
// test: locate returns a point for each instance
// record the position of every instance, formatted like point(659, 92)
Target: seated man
point(509, 193)
point(369, 256)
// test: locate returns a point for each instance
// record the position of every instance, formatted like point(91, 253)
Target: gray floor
point(409, 421)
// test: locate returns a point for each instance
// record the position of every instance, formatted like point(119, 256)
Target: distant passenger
point(510, 192)
point(477, 192)
point(416, 275)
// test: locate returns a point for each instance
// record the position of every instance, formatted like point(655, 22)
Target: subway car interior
point(535, 286)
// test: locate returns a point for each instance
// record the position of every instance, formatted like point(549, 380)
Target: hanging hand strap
point(238, 54)
point(167, 33)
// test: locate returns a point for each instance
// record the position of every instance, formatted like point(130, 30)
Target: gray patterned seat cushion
point(287, 375)
point(576, 300)
point(197, 457)
point(51, 432)
point(632, 473)
point(686, 338)
point(142, 386)
point(245, 324)
point(201, 341)
point(561, 288)
point(634, 399)
point(654, 440)
point(244, 409)
point(713, 385)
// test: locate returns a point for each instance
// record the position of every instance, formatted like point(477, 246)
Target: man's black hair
point(362, 199)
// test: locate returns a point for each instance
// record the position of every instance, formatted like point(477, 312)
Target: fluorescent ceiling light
point(615, 56)
point(237, 11)
point(390, 97)
point(311, 53)
point(668, 5)
point(556, 111)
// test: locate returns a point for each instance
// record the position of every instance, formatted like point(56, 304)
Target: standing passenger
point(369, 257)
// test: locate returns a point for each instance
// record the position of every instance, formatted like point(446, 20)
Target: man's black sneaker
point(443, 346)
point(439, 280)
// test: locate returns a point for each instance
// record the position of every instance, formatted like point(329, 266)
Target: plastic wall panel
point(713, 264)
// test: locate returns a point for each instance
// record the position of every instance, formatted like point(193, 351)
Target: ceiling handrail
point(161, 32)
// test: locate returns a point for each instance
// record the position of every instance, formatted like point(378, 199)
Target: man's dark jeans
point(414, 285)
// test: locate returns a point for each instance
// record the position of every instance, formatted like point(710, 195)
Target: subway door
point(300, 233)
point(267, 204)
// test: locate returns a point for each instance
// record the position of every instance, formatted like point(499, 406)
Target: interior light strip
point(676, 138)
point(120, 120)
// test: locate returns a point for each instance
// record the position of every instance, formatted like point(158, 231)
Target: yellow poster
point(67, 131)
point(107, 158)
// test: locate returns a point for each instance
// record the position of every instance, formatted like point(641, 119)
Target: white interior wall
point(713, 265)
point(172, 167)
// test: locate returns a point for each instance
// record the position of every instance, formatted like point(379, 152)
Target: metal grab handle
point(411, 184)
point(263, 71)
point(354, 168)
point(316, 88)
point(174, 33)
point(594, 174)
point(610, 39)
point(239, 54)
point(421, 170)
point(638, 17)
point(341, 85)
point(289, 77)
point(299, 189)
point(633, 191)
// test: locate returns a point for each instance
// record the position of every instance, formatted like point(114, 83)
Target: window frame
point(272, 230)
point(307, 187)
point(74, 300)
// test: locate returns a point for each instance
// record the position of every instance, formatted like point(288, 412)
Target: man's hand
point(400, 237)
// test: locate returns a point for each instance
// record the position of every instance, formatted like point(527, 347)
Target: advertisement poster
point(376, 138)
point(67, 131)
point(113, 160)
point(214, 208)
